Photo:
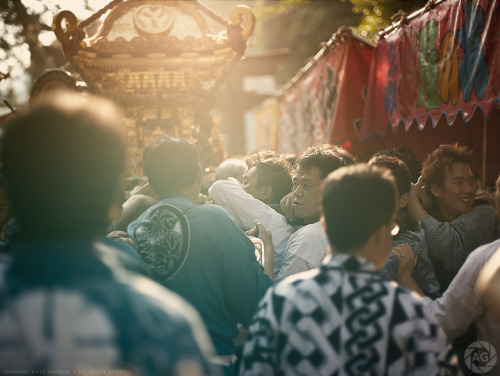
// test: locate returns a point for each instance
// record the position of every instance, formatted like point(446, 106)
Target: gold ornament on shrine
point(159, 59)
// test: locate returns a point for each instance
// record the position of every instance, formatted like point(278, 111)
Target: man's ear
point(403, 200)
point(266, 193)
point(436, 191)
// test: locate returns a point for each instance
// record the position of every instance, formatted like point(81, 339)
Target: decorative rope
point(98, 14)
point(75, 33)
point(225, 74)
point(234, 35)
point(431, 4)
point(400, 16)
point(343, 34)
point(75, 36)
point(210, 13)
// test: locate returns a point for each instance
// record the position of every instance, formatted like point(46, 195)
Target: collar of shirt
point(349, 263)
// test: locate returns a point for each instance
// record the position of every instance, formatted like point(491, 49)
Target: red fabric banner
point(445, 62)
point(324, 102)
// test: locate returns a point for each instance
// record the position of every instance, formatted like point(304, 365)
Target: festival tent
point(435, 78)
point(323, 103)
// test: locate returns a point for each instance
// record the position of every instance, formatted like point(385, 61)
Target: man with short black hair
point(62, 306)
point(257, 198)
point(217, 271)
point(307, 247)
point(341, 318)
point(466, 302)
point(268, 180)
point(442, 202)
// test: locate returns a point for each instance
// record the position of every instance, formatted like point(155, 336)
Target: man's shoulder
point(303, 280)
point(324, 282)
point(115, 293)
point(190, 210)
point(480, 214)
point(225, 184)
point(481, 219)
point(308, 235)
point(415, 238)
point(298, 288)
point(480, 223)
point(228, 192)
point(481, 210)
point(313, 229)
point(141, 311)
point(209, 210)
point(401, 303)
point(483, 253)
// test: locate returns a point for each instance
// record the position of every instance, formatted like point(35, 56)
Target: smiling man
point(307, 247)
point(442, 202)
point(342, 318)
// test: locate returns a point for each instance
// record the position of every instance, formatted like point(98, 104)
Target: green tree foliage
point(26, 43)
point(21, 51)
point(379, 14)
point(301, 25)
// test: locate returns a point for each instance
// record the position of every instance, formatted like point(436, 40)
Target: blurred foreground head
point(63, 159)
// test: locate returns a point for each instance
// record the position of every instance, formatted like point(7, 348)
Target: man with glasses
point(411, 238)
point(342, 318)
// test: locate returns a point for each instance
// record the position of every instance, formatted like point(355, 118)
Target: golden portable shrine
point(160, 60)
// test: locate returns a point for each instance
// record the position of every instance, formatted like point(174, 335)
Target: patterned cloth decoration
point(162, 240)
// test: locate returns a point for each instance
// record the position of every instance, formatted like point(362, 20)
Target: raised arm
point(452, 242)
point(417, 196)
point(407, 261)
point(244, 279)
point(243, 207)
point(267, 239)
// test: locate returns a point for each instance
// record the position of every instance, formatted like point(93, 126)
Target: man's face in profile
point(250, 184)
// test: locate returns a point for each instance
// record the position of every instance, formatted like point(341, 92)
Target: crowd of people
point(310, 265)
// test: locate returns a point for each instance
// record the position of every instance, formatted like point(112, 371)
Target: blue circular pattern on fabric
point(162, 240)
